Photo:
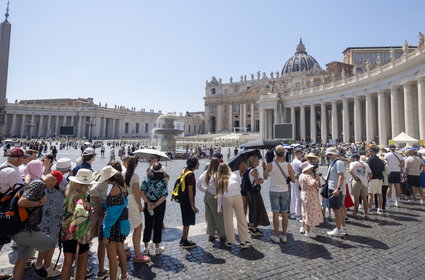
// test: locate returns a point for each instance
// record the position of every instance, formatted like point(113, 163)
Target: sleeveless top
point(277, 180)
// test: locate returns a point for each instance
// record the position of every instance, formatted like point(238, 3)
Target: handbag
point(325, 188)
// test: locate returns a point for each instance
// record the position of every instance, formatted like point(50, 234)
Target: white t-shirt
point(277, 180)
point(361, 169)
point(296, 166)
point(9, 177)
point(393, 161)
point(413, 165)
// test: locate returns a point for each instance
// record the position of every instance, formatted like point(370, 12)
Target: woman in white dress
point(135, 208)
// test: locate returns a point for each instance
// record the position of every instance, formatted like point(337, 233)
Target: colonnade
point(226, 117)
point(20, 124)
point(373, 116)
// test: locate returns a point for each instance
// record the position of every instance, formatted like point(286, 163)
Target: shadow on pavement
point(306, 250)
point(335, 241)
point(352, 222)
point(199, 255)
point(367, 242)
point(171, 234)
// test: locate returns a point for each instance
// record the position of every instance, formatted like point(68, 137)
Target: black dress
point(115, 235)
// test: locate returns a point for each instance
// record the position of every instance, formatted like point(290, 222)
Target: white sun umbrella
point(422, 151)
point(147, 153)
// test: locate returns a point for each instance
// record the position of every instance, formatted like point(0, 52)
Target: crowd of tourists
point(75, 204)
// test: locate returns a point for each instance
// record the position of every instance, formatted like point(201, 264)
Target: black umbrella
point(241, 156)
point(261, 144)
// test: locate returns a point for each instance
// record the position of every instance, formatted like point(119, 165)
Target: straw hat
point(84, 176)
point(106, 173)
point(311, 155)
point(306, 166)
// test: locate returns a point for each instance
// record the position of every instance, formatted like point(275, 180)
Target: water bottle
point(151, 212)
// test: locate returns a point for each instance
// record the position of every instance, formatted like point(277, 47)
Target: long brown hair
point(212, 168)
point(131, 166)
point(222, 180)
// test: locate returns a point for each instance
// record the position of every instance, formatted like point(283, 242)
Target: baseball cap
point(391, 147)
point(58, 175)
point(89, 151)
point(16, 152)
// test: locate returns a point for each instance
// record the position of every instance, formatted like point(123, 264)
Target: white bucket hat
point(84, 176)
point(331, 151)
point(106, 173)
point(63, 164)
point(306, 166)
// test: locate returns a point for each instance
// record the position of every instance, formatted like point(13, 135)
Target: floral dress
point(53, 210)
point(312, 212)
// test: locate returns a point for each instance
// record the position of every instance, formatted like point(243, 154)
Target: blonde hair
point(73, 189)
point(222, 180)
point(212, 168)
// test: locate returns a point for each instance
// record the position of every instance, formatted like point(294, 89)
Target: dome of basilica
point(301, 61)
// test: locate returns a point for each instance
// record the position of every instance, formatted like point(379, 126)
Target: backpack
point(179, 187)
point(11, 215)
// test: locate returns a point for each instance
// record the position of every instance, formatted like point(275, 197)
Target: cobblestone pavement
point(387, 246)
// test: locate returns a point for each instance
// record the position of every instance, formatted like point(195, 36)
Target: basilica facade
point(373, 95)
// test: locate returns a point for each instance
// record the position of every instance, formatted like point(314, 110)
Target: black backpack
point(11, 215)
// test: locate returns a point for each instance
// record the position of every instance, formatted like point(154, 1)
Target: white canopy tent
point(404, 138)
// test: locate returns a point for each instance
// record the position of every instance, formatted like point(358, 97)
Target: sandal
point(366, 217)
point(141, 259)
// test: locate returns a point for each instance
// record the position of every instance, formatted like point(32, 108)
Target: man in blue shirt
point(88, 157)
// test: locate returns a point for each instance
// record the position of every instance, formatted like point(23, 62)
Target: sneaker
point(89, 272)
point(186, 244)
point(146, 251)
point(275, 239)
point(256, 232)
point(310, 234)
point(228, 244)
point(102, 275)
point(159, 250)
point(245, 245)
point(396, 203)
point(41, 272)
point(141, 259)
point(379, 211)
point(283, 238)
point(53, 272)
point(302, 230)
point(343, 230)
point(334, 232)
point(421, 201)
point(251, 230)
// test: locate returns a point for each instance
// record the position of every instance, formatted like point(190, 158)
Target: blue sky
point(158, 54)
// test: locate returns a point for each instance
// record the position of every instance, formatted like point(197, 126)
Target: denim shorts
point(280, 201)
point(335, 202)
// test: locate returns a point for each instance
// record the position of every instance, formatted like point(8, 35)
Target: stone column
point(409, 123)
point(219, 119)
point(230, 124)
point(57, 126)
point(323, 123)
point(40, 126)
point(14, 125)
point(32, 125)
point(334, 120)
point(82, 129)
point(313, 123)
point(244, 116)
point(421, 108)
point(382, 119)
point(241, 116)
point(302, 123)
point(104, 128)
point(49, 124)
point(357, 119)
point(345, 121)
point(294, 123)
point(263, 124)
point(395, 112)
point(113, 128)
point(252, 118)
point(370, 122)
point(5, 132)
point(23, 125)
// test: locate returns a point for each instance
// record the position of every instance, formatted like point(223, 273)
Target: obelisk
point(5, 29)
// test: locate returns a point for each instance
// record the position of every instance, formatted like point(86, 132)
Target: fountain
point(167, 132)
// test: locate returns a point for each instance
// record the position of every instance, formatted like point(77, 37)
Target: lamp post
point(30, 124)
point(90, 124)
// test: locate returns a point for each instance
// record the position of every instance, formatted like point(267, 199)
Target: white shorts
point(375, 186)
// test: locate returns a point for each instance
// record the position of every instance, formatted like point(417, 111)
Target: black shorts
point(394, 178)
point(70, 246)
point(188, 216)
point(414, 181)
point(243, 192)
point(4, 239)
